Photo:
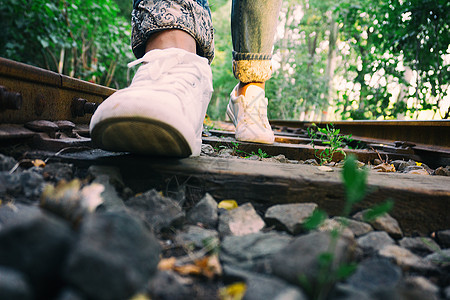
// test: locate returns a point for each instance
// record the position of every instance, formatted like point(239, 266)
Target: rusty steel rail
point(30, 97)
point(29, 93)
point(432, 132)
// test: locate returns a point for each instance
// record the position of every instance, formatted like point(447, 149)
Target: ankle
point(171, 38)
point(242, 87)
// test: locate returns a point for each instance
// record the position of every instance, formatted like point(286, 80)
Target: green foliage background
point(351, 59)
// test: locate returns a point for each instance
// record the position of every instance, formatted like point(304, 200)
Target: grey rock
point(240, 221)
point(226, 153)
point(311, 161)
point(36, 244)
point(252, 252)
point(168, 285)
point(406, 260)
point(121, 251)
point(264, 287)
point(447, 292)
point(443, 238)
point(58, 171)
point(401, 293)
point(374, 241)
point(440, 258)
point(330, 225)
point(197, 236)
point(6, 163)
point(275, 159)
point(111, 180)
point(207, 150)
point(421, 283)
point(204, 212)
point(158, 211)
point(419, 245)
point(300, 259)
point(374, 274)
point(343, 291)
point(441, 171)
point(70, 294)
point(13, 214)
point(27, 183)
point(13, 285)
point(358, 228)
point(384, 223)
point(289, 217)
point(400, 165)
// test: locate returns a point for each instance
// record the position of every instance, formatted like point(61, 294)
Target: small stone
point(13, 285)
point(311, 161)
point(207, 150)
point(358, 228)
point(254, 157)
point(419, 172)
point(325, 169)
point(377, 161)
point(330, 225)
point(346, 292)
point(290, 217)
point(265, 287)
point(440, 258)
point(421, 283)
point(374, 241)
point(204, 212)
point(384, 222)
point(197, 236)
point(443, 238)
point(6, 163)
point(169, 285)
point(400, 165)
point(240, 221)
point(252, 252)
point(156, 210)
point(58, 171)
point(292, 161)
point(121, 251)
point(441, 171)
point(405, 259)
point(226, 153)
point(419, 245)
point(374, 274)
point(280, 158)
point(299, 259)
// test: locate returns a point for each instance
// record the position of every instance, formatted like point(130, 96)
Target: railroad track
point(50, 112)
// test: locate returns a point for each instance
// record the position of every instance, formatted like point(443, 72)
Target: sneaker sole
point(141, 136)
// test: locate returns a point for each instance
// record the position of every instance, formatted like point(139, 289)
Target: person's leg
point(253, 26)
point(162, 111)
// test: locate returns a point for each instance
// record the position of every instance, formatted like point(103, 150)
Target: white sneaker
point(249, 114)
point(162, 111)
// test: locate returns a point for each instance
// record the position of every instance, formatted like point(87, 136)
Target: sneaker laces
point(255, 110)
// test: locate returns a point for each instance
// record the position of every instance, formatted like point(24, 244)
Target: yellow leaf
point(38, 163)
point(140, 296)
point(418, 163)
point(228, 204)
point(233, 291)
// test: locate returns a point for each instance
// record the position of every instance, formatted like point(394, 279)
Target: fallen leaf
point(419, 172)
point(228, 204)
point(233, 291)
point(188, 269)
point(210, 266)
point(91, 196)
point(418, 163)
point(384, 167)
point(38, 163)
point(167, 263)
point(325, 169)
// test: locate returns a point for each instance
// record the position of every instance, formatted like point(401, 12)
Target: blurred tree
point(83, 39)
